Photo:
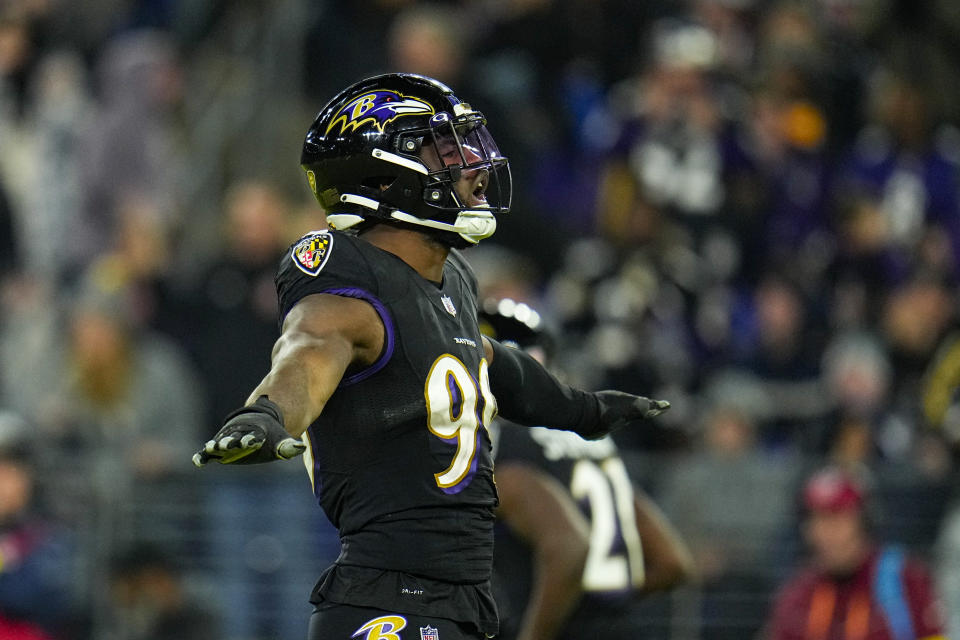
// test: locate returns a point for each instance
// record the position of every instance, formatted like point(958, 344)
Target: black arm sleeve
point(529, 395)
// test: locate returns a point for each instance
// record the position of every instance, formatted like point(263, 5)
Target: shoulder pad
point(319, 262)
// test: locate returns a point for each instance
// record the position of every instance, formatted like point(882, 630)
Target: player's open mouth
point(478, 195)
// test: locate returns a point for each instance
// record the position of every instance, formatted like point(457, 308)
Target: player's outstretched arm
point(539, 511)
point(667, 561)
point(528, 394)
point(322, 336)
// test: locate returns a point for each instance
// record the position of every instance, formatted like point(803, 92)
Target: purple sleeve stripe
point(381, 309)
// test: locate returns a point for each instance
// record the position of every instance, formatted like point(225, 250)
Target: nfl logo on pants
point(429, 633)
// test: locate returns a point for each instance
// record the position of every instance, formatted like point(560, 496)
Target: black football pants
point(346, 622)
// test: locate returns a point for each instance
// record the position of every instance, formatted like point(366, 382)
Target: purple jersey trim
point(381, 309)
point(456, 396)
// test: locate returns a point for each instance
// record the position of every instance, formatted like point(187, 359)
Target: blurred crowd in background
point(749, 207)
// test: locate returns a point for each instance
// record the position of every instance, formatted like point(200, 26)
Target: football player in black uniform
point(632, 550)
point(381, 378)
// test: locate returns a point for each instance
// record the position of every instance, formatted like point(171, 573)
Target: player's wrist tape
point(528, 394)
point(263, 405)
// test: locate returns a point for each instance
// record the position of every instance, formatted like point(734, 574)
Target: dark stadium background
point(748, 207)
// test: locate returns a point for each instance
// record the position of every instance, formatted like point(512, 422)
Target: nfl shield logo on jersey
point(429, 633)
point(310, 254)
point(448, 305)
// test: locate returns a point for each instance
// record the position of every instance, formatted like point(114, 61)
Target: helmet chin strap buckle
point(341, 221)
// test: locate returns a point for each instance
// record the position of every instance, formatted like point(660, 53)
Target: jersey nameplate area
point(311, 253)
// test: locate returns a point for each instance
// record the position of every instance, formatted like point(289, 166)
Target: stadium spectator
point(727, 499)
point(36, 574)
point(31, 348)
point(60, 113)
point(917, 320)
point(428, 39)
point(151, 602)
point(130, 394)
point(235, 311)
point(777, 349)
point(898, 181)
point(139, 264)
point(947, 559)
point(782, 213)
point(672, 132)
point(856, 380)
point(855, 586)
point(130, 150)
point(40, 164)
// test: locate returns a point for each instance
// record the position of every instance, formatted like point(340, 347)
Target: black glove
point(616, 409)
point(251, 435)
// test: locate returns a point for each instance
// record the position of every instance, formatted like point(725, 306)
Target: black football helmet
point(516, 324)
point(394, 148)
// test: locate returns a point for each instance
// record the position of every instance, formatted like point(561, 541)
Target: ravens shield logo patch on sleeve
point(311, 253)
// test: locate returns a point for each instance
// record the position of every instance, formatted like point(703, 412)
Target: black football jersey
point(597, 479)
point(400, 459)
